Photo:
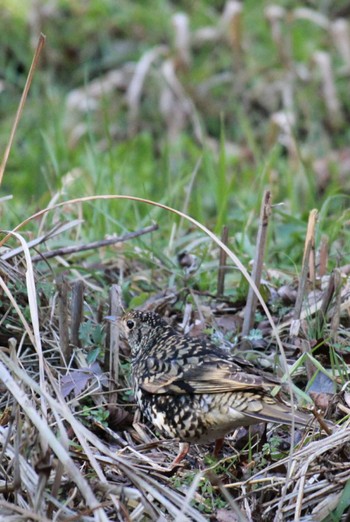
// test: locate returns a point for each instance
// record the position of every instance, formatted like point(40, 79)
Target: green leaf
point(93, 355)
point(344, 503)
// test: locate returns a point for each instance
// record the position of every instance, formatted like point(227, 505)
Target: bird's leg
point(184, 448)
point(218, 447)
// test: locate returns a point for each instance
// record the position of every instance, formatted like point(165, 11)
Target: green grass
point(226, 189)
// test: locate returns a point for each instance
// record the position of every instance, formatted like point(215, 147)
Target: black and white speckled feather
point(191, 389)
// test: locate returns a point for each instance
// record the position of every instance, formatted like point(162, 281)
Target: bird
point(190, 389)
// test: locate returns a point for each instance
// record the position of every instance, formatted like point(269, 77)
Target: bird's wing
point(206, 378)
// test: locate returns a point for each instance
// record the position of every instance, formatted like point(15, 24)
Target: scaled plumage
point(191, 389)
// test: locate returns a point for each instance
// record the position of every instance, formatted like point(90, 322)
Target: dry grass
point(55, 465)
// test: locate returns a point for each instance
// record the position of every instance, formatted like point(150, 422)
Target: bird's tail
point(278, 412)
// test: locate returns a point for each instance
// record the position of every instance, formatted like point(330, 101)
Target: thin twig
point(295, 323)
point(222, 263)
point(64, 251)
point(310, 237)
point(335, 321)
point(57, 483)
point(308, 260)
point(37, 53)
point(326, 300)
point(57, 229)
point(77, 311)
point(323, 256)
point(249, 312)
point(321, 421)
point(113, 349)
point(62, 288)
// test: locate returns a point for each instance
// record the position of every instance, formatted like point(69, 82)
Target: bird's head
point(142, 329)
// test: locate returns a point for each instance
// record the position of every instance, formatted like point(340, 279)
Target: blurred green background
point(201, 105)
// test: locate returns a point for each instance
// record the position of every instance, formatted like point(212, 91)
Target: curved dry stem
point(199, 225)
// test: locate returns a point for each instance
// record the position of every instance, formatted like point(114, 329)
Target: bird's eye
point(130, 324)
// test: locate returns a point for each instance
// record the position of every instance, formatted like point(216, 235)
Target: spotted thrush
point(191, 389)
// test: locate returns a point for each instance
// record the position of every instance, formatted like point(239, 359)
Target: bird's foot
point(184, 448)
point(176, 463)
point(171, 470)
